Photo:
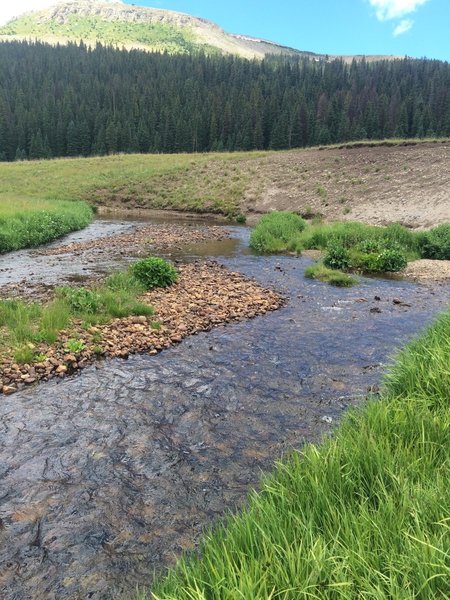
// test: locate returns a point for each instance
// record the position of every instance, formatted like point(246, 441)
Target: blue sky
point(401, 27)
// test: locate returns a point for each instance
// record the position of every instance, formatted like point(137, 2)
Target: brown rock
point(8, 389)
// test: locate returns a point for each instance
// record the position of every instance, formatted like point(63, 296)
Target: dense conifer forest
point(76, 101)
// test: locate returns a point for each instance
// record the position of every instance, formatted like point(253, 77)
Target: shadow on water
point(111, 474)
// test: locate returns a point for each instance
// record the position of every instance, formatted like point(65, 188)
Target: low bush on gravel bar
point(364, 515)
point(154, 272)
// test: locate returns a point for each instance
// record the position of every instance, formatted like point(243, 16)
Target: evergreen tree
point(72, 101)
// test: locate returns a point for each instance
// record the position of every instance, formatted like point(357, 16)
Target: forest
point(79, 101)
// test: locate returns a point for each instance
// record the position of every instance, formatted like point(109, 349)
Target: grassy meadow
point(42, 200)
point(197, 182)
point(364, 515)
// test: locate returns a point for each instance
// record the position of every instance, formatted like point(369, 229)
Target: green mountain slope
point(133, 27)
point(128, 26)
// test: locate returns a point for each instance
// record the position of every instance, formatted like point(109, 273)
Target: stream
point(110, 475)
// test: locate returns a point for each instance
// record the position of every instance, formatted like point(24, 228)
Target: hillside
point(135, 27)
point(377, 183)
point(128, 26)
point(381, 183)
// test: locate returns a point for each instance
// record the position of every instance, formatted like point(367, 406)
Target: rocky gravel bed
point(426, 270)
point(206, 295)
point(153, 235)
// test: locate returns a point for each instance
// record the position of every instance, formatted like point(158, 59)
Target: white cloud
point(9, 10)
point(404, 26)
point(395, 9)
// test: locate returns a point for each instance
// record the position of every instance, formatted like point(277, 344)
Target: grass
point(332, 276)
point(364, 515)
point(277, 232)
point(387, 142)
point(157, 36)
point(24, 326)
point(31, 222)
point(190, 182)
point(349, 246)
point(318, 235)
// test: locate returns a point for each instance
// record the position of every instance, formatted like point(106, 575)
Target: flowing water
point(111, 474)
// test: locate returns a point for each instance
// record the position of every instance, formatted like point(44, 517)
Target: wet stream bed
point(111, 474)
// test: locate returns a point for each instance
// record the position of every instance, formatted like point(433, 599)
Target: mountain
point(129, 26)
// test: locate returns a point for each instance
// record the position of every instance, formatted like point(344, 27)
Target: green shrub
point(369, 246)
point(365, 261)
point(435, 243)
point(154, 272)
point(74, 346)
point(337, 257)
point(81, 300)
point(391, 260)
point(380, 261)
point(277, 232)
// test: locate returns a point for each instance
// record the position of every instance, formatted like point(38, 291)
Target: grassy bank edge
point(27, 223)
point(365, 514)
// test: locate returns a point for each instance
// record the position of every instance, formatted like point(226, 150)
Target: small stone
point(8, 389)
point(61, 369)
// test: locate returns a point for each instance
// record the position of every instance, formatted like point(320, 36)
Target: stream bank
point(107, 476)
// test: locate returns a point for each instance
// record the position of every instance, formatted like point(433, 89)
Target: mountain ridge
point(142, 28)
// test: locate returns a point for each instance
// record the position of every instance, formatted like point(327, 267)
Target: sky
point(414, 28)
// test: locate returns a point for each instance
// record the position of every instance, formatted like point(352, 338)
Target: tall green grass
point(26, 325)
point(277, 231)
point(30, 222)
point(364, 515)
point(274, 231)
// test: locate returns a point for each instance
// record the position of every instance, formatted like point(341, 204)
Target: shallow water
point(28, 265)
point(110, 474)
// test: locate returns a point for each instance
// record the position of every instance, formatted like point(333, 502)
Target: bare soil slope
point(378, 184)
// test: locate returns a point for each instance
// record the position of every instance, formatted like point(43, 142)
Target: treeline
point(72, 100)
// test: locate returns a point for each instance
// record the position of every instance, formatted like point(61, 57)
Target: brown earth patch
point(426, 270)
point(206, 295)
point(379, 185)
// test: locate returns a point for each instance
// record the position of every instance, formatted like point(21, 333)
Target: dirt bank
point(380, 185)
point(205, 296)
